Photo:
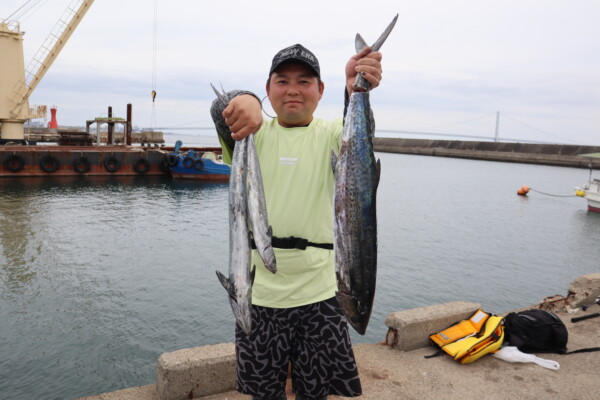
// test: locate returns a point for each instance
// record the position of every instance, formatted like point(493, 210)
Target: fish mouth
point(355, 311)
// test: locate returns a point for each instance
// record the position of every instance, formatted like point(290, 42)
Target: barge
point(90, 160)
point(19, 161)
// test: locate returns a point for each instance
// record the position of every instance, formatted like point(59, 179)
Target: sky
point(448, 66)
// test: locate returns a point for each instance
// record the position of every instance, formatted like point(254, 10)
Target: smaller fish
point(257, 206)
point(241, 277)
point(248, 223)
point(257, 209)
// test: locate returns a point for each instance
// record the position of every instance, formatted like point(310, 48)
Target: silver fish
point(241, 276)
point(247, 207)
point(257, 206)
point(261, 230)
point(355, 218)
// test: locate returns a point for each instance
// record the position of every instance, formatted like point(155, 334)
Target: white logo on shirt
point(288, 160)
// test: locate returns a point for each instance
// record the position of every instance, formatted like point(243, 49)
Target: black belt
point(295, 243)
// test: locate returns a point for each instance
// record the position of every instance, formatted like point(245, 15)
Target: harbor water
point(100, 276)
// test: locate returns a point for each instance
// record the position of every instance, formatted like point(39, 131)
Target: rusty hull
point(127, 161)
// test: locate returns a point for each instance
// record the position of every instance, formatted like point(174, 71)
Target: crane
point(18, 83)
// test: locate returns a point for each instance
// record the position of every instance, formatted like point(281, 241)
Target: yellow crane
point(18, 83)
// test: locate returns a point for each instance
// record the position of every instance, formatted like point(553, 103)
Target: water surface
point(100, 276)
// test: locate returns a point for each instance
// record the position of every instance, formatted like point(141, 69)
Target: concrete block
point(584, 290)
point(410, 329)
point(196, 372)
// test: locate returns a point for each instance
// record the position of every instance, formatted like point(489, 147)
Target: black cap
point(296, 53)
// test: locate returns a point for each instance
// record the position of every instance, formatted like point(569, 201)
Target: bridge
point(386, 132)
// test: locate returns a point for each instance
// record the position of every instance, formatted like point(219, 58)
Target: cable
point(16, 11)
point(553, 195)
point(540, 130)
point(21, 15)
point(154, 52)
point(154, 44)
point(263, 109)
point(460, 122)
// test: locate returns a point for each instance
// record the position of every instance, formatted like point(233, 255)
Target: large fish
point(355, 219)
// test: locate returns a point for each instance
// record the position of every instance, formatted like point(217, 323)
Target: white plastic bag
point(512, 354)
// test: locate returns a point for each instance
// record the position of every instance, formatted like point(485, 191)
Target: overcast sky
point(449, 66)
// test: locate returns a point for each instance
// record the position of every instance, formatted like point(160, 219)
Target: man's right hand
point(243, 115)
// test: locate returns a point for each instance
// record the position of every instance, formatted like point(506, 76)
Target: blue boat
point(199, 164)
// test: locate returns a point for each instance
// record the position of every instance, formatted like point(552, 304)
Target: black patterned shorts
point(313, 338)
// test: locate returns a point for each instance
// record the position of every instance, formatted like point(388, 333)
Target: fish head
point(242, 309)
point(356, 312)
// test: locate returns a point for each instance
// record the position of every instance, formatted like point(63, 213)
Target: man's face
point(294, 92)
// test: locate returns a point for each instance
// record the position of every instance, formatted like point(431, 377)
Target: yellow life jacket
point(468, 340)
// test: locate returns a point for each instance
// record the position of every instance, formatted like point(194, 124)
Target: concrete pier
point(562, 155)
point(46, 135)
point(397, 369)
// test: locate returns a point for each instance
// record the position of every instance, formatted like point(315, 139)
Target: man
point(295, 318)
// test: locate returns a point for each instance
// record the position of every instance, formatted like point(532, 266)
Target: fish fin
point(361, 84)
point(379, 42)
point(273, 266)
point(226, 284)
point(359, 43)
point(378, 173)
point(252, 273)
point(333, 158)
point(220, 96)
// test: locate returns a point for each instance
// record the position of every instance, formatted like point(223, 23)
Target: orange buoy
point(523, 191)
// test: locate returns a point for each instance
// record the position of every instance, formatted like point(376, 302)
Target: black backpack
point(538, 331)
point(534, 331)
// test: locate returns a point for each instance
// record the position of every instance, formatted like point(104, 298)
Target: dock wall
point(562, 155)
point(210, 371)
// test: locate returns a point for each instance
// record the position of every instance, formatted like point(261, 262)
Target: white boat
point(591, 190)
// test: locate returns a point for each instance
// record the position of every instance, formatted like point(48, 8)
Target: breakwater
point(562, 155)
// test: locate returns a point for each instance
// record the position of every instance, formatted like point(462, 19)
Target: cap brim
point(294, 60)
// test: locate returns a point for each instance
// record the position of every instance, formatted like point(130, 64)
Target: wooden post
point(111, 127)
point(128, 127)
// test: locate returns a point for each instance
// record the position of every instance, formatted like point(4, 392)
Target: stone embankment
point(397, 369)
point(562, 155)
